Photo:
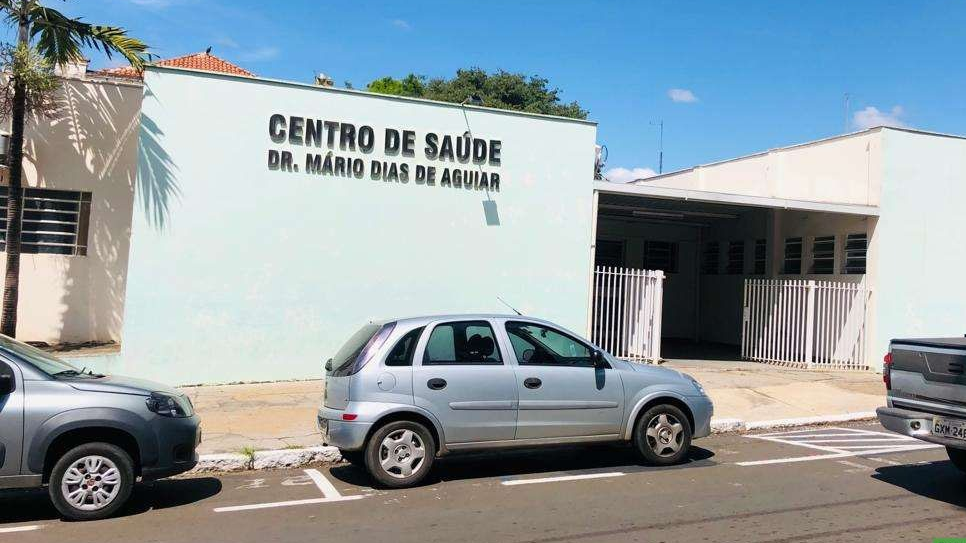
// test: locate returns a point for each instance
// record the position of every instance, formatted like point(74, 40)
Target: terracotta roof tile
point(197, 61)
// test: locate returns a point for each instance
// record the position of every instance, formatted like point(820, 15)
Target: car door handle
point(436, 383)
point(532, 382)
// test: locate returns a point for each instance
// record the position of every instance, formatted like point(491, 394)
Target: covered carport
point(715, 249)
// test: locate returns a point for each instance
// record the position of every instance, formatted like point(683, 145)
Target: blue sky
point(727, 78)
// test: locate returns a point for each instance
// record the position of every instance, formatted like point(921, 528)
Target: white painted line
point(18, 529)
point(562, 478)
point(325, 486)
point(284, 504)
point(857, 440)
point(878, 450)
point(856, 465)
point(910, 447)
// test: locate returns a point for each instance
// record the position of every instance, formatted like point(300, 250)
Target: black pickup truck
point(926, 383)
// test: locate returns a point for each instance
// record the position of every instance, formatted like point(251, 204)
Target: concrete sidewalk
point(282, 415)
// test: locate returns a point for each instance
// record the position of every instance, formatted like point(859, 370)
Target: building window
point(823, 255)
point(761, 255)
point(709, 259)
point(54, 221)
point(661, 255)
point(736, 258)
point(856, 246)
point(793, 256)
point(609, 253)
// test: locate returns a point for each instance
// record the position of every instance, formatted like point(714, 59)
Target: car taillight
point(887, 370)
point(349, 416)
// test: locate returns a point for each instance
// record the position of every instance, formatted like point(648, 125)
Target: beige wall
point(91, 145)
point(843, 170)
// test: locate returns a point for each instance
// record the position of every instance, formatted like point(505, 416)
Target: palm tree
point(59, 40)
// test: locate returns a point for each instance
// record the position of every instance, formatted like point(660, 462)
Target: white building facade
point(239, 229)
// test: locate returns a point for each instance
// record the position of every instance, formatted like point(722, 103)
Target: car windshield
point(45, 362)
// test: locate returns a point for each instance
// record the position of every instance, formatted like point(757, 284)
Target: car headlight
point(697, 385)
point(167, 405)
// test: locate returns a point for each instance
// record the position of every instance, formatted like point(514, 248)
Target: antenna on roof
point(510, 306)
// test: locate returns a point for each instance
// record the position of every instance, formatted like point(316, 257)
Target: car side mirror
point(328, 365)
point(6, 384)
point(597, 359)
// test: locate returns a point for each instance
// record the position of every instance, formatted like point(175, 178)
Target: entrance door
point(463, 380)
point(561, 393)
point(11, 423)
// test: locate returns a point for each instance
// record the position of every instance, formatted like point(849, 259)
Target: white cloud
point(227, 42)
point(624, 175)
point(401, 24)
point(871, 117)
point(683, 96)
point(259, 54)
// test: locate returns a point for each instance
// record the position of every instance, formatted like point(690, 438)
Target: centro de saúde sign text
point(472, 152)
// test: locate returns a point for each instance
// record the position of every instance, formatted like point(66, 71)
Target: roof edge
point(296, 84)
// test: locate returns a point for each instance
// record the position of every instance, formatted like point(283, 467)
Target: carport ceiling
point(639, 208)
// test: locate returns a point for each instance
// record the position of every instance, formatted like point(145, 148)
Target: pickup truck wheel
point(91, 481)
point(957, 457)
point(400, 454)
point(662, 435)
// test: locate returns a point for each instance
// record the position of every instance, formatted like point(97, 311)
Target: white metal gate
point(805, 323)
point(626, 313)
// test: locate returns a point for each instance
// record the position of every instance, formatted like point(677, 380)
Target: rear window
point(359, 348)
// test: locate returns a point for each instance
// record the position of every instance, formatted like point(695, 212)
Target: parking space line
point(845, 442)
point(330, 493)
point(516, 482)
point(284, 504)
point(18, 529)
point(325, 486)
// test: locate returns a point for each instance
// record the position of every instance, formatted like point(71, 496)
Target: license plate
point(952, 428)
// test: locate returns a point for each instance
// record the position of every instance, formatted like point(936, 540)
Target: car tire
point(957, 457)
point(356, 458)
point(400, 454)
point(662, 435)
point(91, 481)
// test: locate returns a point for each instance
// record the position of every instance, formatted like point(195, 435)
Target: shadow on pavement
point(939, 480)
point(34, 505)
point(564, 460)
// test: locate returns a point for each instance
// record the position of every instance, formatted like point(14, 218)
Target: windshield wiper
point(67, 373)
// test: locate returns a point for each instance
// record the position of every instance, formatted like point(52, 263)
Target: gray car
point(88, 437)
point(400, 393)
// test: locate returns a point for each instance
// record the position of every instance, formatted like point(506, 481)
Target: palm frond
point(60, 39)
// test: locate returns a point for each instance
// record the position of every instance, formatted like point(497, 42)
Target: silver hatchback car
point(400, 393)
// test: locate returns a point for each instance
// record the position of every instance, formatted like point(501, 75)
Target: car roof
point(424, 319)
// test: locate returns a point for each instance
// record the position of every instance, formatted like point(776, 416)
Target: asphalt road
point(847, 483)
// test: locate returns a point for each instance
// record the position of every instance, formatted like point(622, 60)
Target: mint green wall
point(260, 275)
point(921, 237)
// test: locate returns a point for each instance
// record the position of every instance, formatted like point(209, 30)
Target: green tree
point(501, 89)
point(58, 40)
point(412, 85)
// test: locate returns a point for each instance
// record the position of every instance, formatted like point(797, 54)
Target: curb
point(272, 459)
point(724, 426)
point(295, 458)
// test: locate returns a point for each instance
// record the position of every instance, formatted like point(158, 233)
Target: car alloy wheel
point(91, 483)
point(401, 453)
point(665, 435)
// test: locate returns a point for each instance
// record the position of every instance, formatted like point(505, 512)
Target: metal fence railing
point(626, 313)
point(805, 323)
